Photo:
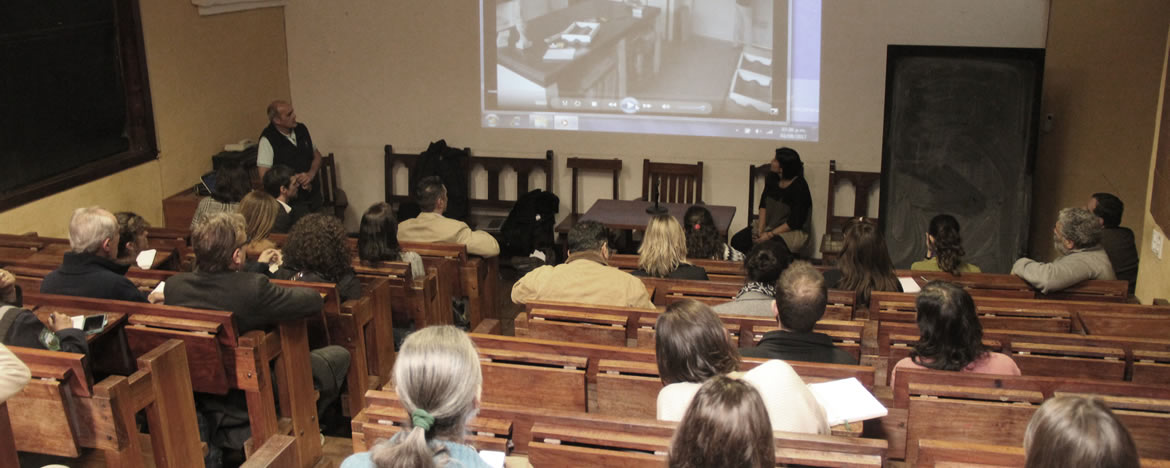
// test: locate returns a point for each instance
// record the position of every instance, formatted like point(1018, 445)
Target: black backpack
point(450, 165)
point(530, 224)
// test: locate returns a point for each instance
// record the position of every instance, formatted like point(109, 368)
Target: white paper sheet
point(847, 400)
point(492, 458)
point(145, 258)
point(908, 284)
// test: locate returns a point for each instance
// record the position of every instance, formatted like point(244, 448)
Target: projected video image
point(730, 68)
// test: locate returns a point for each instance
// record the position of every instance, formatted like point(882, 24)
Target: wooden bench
point(1089, 290)
point(545, 380)
point(61, 411)
point(1120, 323)
point(412, 300)
point(949, 454)
point(717, 270)
point(900, 307)
point(996, 409)
point(221, 359)
point(462, 275)
point(50, 251)
point(533, 429)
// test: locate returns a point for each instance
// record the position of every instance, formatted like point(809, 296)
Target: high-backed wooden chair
point(863, 183)
point(677, 183)
point(327, 177)
point(756, 173)
point(576, 165)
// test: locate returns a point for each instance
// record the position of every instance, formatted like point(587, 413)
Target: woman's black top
point(796, 198)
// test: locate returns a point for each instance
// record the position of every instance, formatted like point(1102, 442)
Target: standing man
point(1117, 241)
point(287, 142)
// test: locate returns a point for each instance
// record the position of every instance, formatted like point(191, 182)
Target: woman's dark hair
point(726, 424)
point(378, 235)
point(691, 344)
point(951, 335)
point(702, 236)
point(947, 245)
point(766, 260)
point(865, 262)
point(231, 184)
point(317, 243)
point(790, 164)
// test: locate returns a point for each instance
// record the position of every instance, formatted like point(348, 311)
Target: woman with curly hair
point(317, 251)
point(951, 337)
point(944, 248)
point(864, 265)
point(663, 253)
point(703, 240)
point(260, 211)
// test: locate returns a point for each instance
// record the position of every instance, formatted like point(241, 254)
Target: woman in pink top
point(951, 336)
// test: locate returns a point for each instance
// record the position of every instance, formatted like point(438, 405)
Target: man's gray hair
point(1079, 226)
point(274, 109)
point(90, 227)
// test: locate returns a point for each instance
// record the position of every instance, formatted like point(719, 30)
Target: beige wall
point(1102, 68)
point(366, 73)
point(1153, 271)
point(210, 79)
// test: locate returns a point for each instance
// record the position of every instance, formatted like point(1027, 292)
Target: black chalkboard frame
point(895, 54)
point(139, 127)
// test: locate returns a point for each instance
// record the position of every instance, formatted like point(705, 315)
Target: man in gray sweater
point(1077, 236)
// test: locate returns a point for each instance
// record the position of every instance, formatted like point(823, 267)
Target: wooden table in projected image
point(631, 214)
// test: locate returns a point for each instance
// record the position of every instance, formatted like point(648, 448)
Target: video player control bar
point(631, 105)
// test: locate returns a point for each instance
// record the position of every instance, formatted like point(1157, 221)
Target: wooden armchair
point(756, 173)
point(614, 166)
point(863, 183)
point(334, 197)
point(676, 183)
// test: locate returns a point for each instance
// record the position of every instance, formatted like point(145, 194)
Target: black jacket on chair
point(88, 275)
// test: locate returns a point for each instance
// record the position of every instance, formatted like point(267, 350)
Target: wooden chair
point(614, 166)
point(61, 411)
point(863, 183)
point(756, 173)
point(461, 275)
point(676, 183)
point(334, 197)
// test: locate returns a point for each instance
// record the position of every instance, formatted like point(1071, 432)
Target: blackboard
point(72, 86)
point(960, 136)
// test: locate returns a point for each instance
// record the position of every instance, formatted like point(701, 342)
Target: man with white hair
point(89, 269)
point(1077, 235)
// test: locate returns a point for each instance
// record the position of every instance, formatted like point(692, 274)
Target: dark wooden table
point(631, 214)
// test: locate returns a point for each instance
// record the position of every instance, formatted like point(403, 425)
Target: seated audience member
point(317, 251)
point(703, 239)
point(944, 248)
point(432, 226)
point(764, 264)
point(257, 304)
point(1073, 430)
point(692, 346)
point(785, 205)
point(14, 375)
point(864, 265)
point(663, 253)
point(281, 183)
point(1077, 235)
point(951, 337)
point(1116, 240)
point(231, 184)
point(89, 269)
point(725, 425)
point(800, 302)
point(21, 327)
point(260, 211)
point(438, 378)
point(378, 240)
point(585, 277)
point(131, 237)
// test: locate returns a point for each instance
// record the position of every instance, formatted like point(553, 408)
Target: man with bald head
point(89, 269)
point(287, 142)
point(801, 298)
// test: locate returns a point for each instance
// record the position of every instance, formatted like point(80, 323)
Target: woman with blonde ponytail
point(438, 379)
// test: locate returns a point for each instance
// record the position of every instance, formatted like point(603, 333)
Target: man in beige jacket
point(585, 277)
point(432, 226)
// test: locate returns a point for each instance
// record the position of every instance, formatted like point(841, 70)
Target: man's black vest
point(299, 157)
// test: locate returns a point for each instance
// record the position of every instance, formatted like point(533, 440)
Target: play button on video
point(629, 105)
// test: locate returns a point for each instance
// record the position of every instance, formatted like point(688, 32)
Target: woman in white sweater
point(692, 346)
point(14, 375)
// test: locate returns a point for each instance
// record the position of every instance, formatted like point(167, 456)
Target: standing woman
point(438, 378)
point(784, 206)
point(944, 248)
